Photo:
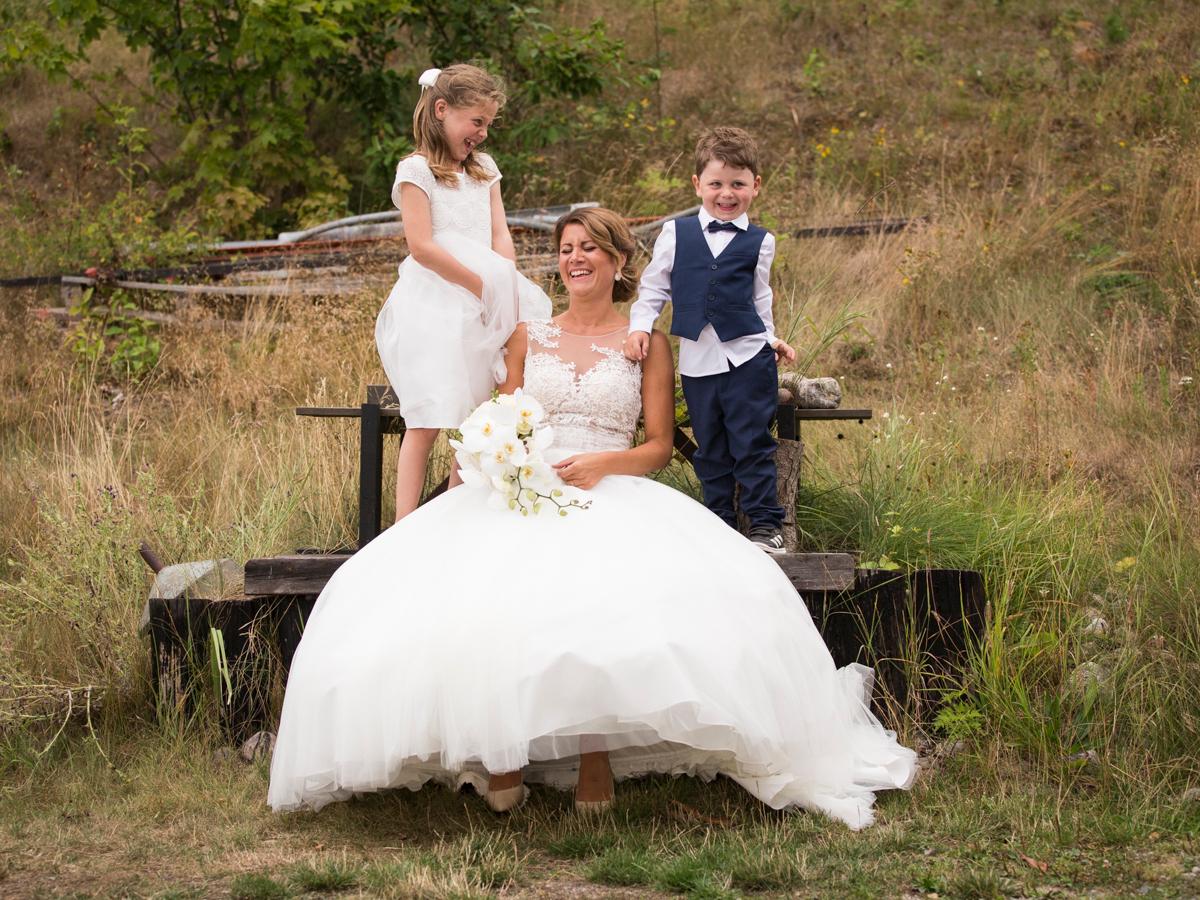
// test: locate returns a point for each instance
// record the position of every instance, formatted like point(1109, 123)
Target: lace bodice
point(591, 392)
point(464, 210)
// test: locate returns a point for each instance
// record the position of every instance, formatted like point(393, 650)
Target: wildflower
point(1185, 380)
point(835, 130)
point(889, 365)
point(885, 415)
point(1185, 79)
point(980, 328)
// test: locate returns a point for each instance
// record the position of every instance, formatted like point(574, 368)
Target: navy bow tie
point(717, 225)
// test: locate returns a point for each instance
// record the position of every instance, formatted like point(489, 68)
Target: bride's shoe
point(506, 799)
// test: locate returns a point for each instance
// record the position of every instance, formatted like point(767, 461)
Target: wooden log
point(914, 629)
point(246, 630)
point(177, 626)
point(291, 615)
point(182, 660)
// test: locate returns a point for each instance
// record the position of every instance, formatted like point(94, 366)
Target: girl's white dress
point(441, 346)
point(467, 639)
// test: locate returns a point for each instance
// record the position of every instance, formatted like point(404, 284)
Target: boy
point(715, 269)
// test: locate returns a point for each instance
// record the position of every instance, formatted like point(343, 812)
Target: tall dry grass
point(1030, 354)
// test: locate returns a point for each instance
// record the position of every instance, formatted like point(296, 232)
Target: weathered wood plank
point(307, 573)
point(831, 415)
point(304, 573)
point(818, 571)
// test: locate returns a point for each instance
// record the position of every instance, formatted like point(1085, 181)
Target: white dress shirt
point(708, 354)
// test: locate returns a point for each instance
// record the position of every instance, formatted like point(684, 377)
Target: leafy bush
point(290, 109)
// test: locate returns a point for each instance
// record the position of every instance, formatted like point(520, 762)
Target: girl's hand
point(783, 351)
point(582, 471)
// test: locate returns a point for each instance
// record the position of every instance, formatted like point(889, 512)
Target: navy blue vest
point(714, 290)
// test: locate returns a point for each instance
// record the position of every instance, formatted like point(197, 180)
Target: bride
point(469, 644)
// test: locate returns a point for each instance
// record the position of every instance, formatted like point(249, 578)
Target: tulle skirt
point(441, 346)
point(466, 640)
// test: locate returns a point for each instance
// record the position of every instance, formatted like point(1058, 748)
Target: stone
point(1094, 623)
point(209, 579)
point(1087, 759)
point(257, 746)
point(1088, 675)
point(812, 393)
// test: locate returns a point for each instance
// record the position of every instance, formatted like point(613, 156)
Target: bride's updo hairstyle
point(611, 235)
point(461, 86)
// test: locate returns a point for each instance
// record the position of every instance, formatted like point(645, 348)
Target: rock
point(812, 393)
point(224, 755)
point(1089, 675)
point(257, 746)
point(946, 749)
point(1094, 623)
point(209, 579)
point(1087, 759)
point(1191, 795)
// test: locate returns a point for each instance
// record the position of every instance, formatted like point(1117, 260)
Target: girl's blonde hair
point(461, 86)
point(611, 235)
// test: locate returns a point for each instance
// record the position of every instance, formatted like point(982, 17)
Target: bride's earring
point(617, 277)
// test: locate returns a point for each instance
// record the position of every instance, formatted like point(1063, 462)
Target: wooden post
point(370, 474)
point(788, 456)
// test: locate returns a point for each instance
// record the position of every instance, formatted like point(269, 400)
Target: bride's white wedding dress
point(467, 639)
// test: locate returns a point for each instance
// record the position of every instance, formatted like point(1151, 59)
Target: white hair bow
point(429, 78)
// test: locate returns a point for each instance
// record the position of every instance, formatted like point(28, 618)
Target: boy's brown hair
point(732, 146)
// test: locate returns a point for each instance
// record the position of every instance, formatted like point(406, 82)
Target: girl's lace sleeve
point(493, 170)
point(414, 170)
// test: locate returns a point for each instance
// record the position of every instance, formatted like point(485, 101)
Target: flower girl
point(458, 295)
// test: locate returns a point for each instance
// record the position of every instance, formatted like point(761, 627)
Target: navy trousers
point(731, 419)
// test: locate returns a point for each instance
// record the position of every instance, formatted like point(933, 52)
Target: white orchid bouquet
point(501, 447)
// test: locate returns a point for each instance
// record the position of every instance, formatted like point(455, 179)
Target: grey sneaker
point(769, 539)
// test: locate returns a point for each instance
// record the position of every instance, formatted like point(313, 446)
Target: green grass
point(965, 829)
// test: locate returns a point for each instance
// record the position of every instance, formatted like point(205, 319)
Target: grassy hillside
point(1031, 354)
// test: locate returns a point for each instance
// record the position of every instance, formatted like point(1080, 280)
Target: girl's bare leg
point(410, 468)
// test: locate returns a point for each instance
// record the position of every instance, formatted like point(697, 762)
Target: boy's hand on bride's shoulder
point(784, 352)
point(637, 345)
point(582, 471)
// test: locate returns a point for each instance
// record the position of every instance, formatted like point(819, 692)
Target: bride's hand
point(582, 471)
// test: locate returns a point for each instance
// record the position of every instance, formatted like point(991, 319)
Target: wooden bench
point(380, 415)
point(915, 629)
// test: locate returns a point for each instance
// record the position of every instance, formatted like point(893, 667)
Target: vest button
point(712, 296)
point(713, 267)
